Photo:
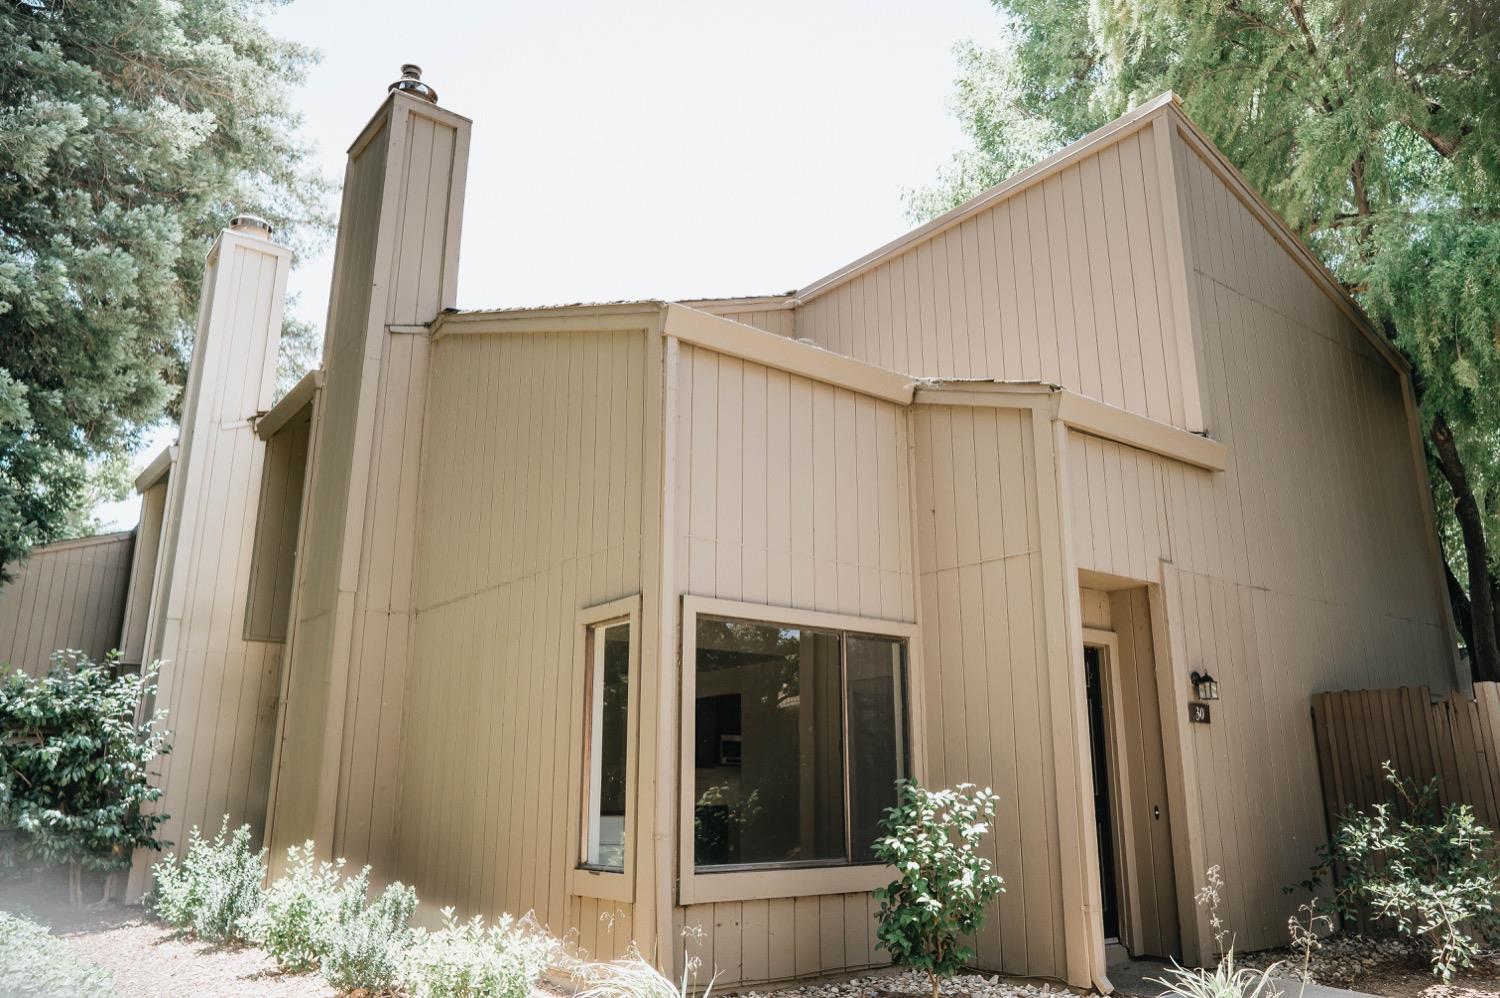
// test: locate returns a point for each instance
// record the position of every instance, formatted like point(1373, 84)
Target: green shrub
point(366, 941)
point(634, 976)
point(74, 764)
point(470, 960)
point(932, 839)
point(300, 909)
point(215, 890)
point(1428, 870)
point(36, 964)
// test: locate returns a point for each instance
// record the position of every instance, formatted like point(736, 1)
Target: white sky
point(657, 149)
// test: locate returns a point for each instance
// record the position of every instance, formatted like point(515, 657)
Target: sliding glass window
point(800, 736)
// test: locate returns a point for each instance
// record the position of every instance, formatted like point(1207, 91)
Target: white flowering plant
point(944, 885)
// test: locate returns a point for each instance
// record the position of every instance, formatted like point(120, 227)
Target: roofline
point(1241, 187)
point(1084, 415)
point(551, 319)
point(746, 303)
point(1169, 104)
point(80, 542)
point(157, 469)
point(1123, 126)
point(736, 339)
point(268, 423)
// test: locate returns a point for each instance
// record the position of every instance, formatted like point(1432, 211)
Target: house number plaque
point(1198, 713)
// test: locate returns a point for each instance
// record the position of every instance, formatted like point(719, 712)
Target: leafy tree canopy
point(1372, 126)
point(129, 134)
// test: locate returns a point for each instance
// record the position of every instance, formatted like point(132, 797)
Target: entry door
point(1103, 813)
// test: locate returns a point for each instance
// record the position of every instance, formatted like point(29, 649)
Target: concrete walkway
point(1134, 979)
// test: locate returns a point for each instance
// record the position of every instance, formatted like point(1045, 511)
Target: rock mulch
point(912, 983)
point(1390, 967)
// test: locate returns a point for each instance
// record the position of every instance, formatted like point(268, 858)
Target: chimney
point(395, 270)
point(195, 620)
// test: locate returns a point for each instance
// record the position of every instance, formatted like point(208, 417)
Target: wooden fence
point(1457, 739)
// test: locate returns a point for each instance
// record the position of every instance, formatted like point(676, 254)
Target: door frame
point(1126, 894)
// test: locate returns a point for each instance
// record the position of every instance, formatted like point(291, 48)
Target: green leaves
point(74, 762)
point(129, 134)
point(1428, 869)
point(932, 839)
point(36, 964)
point(1373, 129)
point(215, 891)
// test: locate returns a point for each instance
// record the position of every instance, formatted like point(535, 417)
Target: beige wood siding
point(792, 493)
point(395, 270)
point(1305, 566)
point(1067, 280)
point(773, 315)
point(146, 556)
point(311, 649)
point(276, 521)
point(219, 690)
point(66, 595)
point(989, 695)
point(1150, 888)
point(538, 499)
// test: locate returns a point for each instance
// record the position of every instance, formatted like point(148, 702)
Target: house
point(631, 614)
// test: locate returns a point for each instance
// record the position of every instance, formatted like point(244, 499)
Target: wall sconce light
point(1206, 686)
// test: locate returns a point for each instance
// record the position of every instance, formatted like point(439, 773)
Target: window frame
point(584, 880)
point(792, 880)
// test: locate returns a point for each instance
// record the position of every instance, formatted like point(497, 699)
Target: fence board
point(1457, 740)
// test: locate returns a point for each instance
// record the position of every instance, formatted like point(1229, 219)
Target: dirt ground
point(147, 960)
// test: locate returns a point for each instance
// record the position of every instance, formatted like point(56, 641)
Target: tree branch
point(1484, 649)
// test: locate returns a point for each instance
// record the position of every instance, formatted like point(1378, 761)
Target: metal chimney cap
point(411, 83)
point(251, 223)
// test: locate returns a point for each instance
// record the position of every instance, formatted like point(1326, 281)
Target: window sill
point(606, 885)
point(780, 882)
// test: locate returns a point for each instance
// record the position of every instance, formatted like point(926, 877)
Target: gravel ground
point(911, 983)
point(147, 961)
point(1392, 968)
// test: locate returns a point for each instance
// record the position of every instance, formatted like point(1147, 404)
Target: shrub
point(36, 964)
point(74, 764)
point(366, 941)
point(470, 960)
point(1427, 869)
point(1224, 981)
point(635, 977)
point(215, 890)
point(932, 839)
point(300, 909)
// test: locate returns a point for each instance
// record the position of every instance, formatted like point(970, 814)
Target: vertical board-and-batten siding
point(792, 493)
point(1066, 280)
point(395, 270)
point(538, 499)
point(143, 562)
point(1290, 572)
point(279, 515)
point(990, 695)
point(218, 688)
point(71, 595)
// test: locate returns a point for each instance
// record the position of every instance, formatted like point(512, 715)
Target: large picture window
point(800, 734)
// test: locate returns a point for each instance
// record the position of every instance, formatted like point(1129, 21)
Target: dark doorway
point(1103, 819)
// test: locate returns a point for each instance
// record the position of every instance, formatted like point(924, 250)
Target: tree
point(1371, 126)
point(129, 134)
point(73, 764)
